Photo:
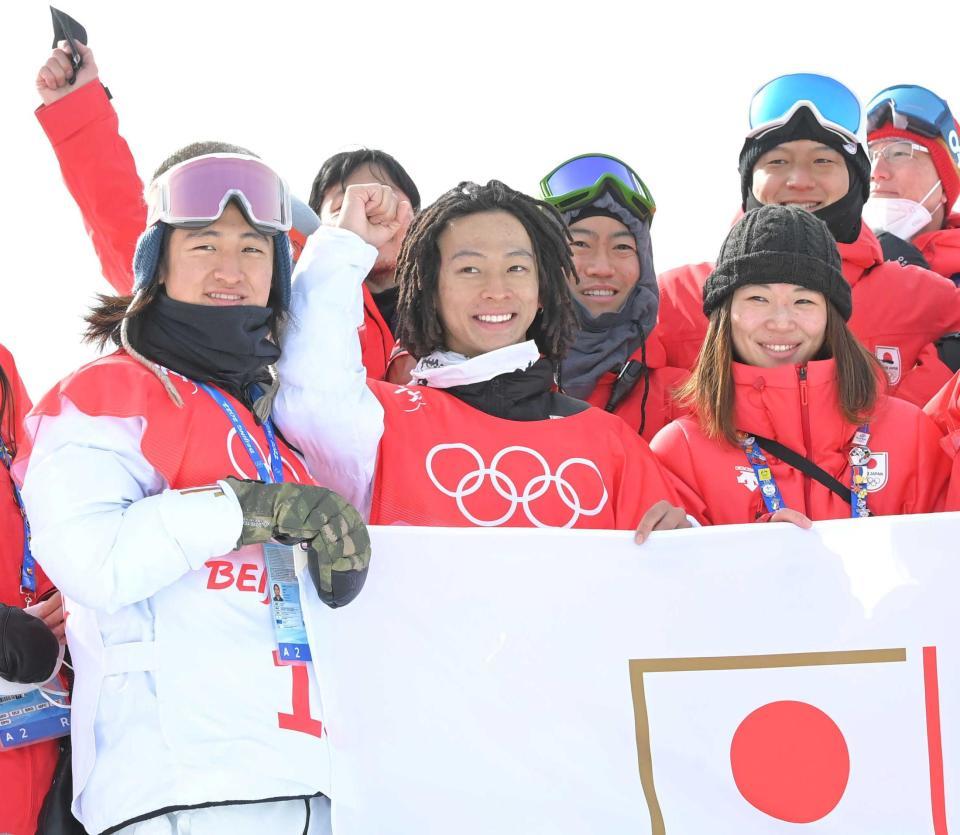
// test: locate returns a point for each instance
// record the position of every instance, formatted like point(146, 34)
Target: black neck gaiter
point(842, 218)
point(227, 346)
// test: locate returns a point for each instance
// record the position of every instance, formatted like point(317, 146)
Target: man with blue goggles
point(803, 148)
point(914, 145)
point(815, 121)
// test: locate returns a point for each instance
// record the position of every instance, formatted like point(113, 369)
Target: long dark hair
point(710, 390)
point(419, 328)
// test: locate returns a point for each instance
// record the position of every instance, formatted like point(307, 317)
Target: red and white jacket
point(444, 463)
point(169, 626)
point(25, 773)
point(898, 312)
point(419, 455)
point(798, 406)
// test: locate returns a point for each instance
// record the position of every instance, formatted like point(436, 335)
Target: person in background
point(482, 438)
point(914, 145)
point(29, 646)
point(380, 289)
point(616, 361)
point(789, 419)
point(803, 149)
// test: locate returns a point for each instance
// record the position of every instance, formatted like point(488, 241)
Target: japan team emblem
point(890, 360)
point(877, 470)
point(747, 477)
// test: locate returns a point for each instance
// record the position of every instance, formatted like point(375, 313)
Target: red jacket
point(376, 339)
point(25, 773)
point(102, 178)
point(898, 312)
point(944, 409)
point(661, 405)
point(444, 462)
point(941, 247)
point(908, 471)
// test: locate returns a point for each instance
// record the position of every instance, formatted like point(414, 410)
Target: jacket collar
point(770, 402)
point(861, 256)
point(941, 247)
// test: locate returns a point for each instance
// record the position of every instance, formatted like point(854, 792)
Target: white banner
point(740, 679)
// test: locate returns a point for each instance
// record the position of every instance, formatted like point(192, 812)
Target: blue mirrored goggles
point(915, 109)
point(579, 181)
point(831, 103)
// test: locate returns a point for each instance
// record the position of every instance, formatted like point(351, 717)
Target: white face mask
point(897, 215)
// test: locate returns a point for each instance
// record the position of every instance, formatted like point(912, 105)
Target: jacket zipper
point(805, 424)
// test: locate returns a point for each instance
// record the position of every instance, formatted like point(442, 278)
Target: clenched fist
point(54, 76)
point(375, 212)
point(335, 536)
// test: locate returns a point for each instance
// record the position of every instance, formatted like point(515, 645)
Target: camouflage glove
point(338, 545)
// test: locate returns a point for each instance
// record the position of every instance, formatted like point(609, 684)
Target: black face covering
point(842, 218)
point(227, 346)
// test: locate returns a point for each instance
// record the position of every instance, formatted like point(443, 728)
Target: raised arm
point(324, 406)
point(95, 161)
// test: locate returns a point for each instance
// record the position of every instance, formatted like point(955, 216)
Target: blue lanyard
point(768, 486)
point(859, 459)
point(28, 564)
point(275, 474)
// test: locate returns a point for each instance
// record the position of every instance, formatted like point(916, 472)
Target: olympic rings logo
point(506, 488)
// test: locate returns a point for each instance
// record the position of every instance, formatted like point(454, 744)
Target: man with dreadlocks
point(481, 436)
point(145, 515)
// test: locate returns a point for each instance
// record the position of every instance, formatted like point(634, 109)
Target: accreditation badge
point(28, 718)
point(282, 563)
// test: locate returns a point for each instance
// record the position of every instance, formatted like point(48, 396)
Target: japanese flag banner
point(739, 679)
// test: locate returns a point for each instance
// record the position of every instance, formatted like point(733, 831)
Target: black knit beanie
point(778, 245)
point(842, 217)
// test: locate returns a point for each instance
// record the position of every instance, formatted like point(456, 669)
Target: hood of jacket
point(861, 256)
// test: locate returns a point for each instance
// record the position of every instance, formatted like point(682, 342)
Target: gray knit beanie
point(779, 245)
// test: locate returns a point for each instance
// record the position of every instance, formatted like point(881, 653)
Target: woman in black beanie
point(789, 420)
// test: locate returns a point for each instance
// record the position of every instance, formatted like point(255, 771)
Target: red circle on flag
point(790, 761)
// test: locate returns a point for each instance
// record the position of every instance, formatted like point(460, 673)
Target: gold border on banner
point(638, 667)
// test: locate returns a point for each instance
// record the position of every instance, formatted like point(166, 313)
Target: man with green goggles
point(580, 181)
point(616, 362)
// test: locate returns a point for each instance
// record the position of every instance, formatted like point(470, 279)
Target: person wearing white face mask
point(914, 146)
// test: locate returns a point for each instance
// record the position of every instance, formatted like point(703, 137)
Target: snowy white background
point(455, 91)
